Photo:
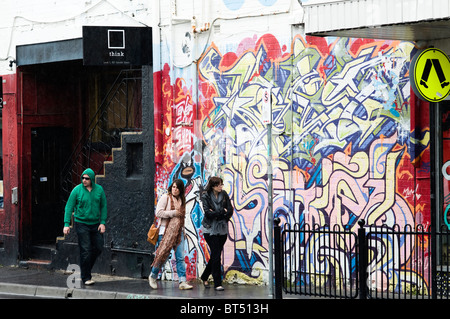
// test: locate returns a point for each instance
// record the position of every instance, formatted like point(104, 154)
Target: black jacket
point(211, 213)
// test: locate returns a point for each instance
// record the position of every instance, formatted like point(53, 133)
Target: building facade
point(349, 139)
point(77, 82)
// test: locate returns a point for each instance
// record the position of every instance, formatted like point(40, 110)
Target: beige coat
point(163, 211)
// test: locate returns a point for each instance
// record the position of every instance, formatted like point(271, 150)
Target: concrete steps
point(41, 257)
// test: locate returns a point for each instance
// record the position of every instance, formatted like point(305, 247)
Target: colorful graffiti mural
point(341, 140)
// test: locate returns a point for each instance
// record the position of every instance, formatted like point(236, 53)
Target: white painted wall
point(31, 21)
point(192, 25)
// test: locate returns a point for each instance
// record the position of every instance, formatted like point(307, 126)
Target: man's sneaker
point(89, 282)
point(185, 286)
point(152, 282)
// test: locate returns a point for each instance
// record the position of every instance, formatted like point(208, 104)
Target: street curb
point(68, 293)
point(31, 290)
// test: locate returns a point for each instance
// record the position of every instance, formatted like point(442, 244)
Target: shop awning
point(66, 50)
point(409, 20)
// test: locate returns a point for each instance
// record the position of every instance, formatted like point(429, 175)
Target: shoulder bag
point(153, 232)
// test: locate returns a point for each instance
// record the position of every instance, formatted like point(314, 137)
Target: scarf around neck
point(172, 235)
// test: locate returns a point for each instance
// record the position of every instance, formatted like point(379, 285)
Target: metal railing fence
point(376, 262)
point(398, 262)
point(319, 261)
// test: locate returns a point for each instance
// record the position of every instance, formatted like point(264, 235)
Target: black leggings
point(215, 243)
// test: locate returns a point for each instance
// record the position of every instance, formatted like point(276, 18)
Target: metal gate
point(363, 261)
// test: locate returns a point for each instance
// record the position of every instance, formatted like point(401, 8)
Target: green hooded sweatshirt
point(88, 207)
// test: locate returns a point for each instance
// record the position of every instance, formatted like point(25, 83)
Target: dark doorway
point(50, 148)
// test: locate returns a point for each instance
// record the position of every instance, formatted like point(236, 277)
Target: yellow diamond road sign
point(430, 75)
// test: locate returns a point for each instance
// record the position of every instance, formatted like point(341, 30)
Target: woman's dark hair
point(213, 182)
point(180, 186)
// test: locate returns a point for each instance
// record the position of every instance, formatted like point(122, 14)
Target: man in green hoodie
point(88, 203)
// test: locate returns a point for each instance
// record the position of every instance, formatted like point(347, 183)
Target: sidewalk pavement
point(18, 282)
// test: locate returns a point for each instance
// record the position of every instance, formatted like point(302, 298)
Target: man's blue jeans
point(179, 257)
point(90, 242)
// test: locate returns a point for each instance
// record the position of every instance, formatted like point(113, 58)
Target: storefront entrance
point(50, 149)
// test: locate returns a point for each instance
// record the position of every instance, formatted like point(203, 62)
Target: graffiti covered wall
point(344, 147)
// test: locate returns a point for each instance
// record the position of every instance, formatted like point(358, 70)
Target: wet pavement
point(24, 282)
point(236, 301)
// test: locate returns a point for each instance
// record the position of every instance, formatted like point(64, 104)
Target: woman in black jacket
point(218, 211)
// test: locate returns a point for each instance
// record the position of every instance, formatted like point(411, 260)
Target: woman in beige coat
point(170, 211)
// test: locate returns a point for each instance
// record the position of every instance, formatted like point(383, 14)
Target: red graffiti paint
point(320, 43)
point(191, 266)
point(358, 44)
point(228, 60)
point(272, 46)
